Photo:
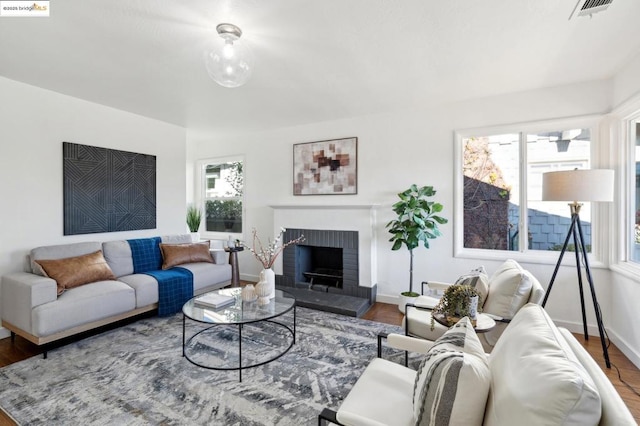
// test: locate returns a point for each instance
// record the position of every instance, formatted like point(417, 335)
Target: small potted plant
point(457, 301)
point(417, 222)
point(194, 217)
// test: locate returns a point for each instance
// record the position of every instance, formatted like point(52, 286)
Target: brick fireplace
point(326, 270)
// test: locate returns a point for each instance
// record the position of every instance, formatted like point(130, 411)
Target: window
point(634, 137)
point(222, 182)
point(500, 206)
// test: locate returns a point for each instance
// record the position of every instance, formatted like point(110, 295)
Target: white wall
point(33, 124)
point(626, 83)
point(625, 294)
point(394, 151)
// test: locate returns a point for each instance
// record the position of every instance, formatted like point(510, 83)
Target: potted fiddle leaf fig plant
point(194, 217)
point(417, 222)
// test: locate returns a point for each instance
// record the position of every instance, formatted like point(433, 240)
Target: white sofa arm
point(438, 285)
point(614, 410)
point(407, 343)
point(426, 302)
point(21, 292)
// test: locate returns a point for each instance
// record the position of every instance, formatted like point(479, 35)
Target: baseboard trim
point(576, 327)
point(625, 348)
point(385, 298)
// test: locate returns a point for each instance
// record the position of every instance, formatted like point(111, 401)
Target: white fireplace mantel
point(324, 206)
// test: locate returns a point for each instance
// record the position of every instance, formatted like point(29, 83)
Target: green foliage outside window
point(224, 215)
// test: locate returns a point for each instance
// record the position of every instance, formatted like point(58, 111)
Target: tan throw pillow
point(178, 254)
point(76, 271)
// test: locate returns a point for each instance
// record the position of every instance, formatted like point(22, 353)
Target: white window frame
point(200, 191)
point(524, 254)
point(621, 130)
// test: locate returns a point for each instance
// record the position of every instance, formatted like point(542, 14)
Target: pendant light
point(229, 63)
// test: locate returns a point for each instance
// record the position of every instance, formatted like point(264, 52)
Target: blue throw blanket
point(175, 285)
point(146, 254)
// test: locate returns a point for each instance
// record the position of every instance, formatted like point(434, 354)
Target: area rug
point(136, 375)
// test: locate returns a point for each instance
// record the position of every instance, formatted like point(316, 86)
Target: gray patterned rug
point(136, 375)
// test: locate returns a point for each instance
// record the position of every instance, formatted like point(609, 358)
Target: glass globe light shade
point(229, 61)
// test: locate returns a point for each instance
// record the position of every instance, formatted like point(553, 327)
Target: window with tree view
point(223, 186)
point(502, 189)
point(634, 254)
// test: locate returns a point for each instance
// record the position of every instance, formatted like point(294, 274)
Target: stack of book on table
point(213, 300)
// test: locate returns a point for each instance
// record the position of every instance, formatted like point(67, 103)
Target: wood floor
point(386, 313)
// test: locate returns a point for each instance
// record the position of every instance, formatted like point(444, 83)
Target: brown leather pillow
point(178, 254)
point(76, 271)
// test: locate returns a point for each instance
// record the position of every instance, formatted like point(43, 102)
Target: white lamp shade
point(578, 185)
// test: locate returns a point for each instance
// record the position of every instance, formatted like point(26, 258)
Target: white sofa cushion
point(85, 304)
point(614, 410)
point(419, 324)
point(119, 257)
point(365, 401)
point(145, 286)
point(452, 382)
point(207, 274)
point(536, 379)
point(176, 239)
point(509, 289)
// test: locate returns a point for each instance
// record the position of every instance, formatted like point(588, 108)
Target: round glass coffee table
point(253, 326)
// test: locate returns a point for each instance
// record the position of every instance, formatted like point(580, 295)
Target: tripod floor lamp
point(579, 186)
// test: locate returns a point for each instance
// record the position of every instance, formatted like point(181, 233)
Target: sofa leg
point(44, 355)
point(13, 337)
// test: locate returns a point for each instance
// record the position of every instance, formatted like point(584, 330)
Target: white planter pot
point(403, 300)
point(195, 237)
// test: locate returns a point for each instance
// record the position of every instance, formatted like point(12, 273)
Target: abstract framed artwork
point(106, 190)
point(326, 167)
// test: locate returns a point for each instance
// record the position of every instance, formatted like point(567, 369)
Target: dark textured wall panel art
point(106, 190)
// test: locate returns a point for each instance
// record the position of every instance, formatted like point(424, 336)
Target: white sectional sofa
point(33, 309)
point(537, 374)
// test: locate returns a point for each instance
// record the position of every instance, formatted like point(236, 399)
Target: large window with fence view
point(634, 249)
point(501, 200)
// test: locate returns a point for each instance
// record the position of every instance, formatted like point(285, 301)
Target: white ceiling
point(316, 60)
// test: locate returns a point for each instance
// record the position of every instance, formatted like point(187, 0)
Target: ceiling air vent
point(589, 7)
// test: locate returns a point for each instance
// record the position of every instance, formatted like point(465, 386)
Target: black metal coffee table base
point(186, 343)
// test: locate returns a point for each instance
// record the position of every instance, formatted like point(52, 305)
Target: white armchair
point(537, 374)
point(390, 394)
point(509, 289)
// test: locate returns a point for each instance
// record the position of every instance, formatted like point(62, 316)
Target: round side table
point(484, 322)
point(233, 261)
